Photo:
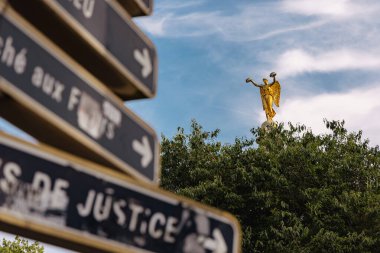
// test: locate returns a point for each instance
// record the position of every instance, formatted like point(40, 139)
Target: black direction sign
point(84, 203)
point(108, 34)
point(58, 103)
point(138, 7)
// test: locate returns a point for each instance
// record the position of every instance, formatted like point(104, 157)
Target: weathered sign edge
point(66, 60)
point(92, 41)
point(96, 170)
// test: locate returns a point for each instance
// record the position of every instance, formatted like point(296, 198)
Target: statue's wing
point(276, 91)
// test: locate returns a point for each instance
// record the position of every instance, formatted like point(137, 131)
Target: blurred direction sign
point(55, 197)
point(138, 7)
point(126, 59)
point(55, 100)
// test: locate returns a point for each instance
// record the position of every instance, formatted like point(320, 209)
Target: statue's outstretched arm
point(250, 80)
point(257, 85)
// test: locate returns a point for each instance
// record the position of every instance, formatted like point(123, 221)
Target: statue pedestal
point(268, 124)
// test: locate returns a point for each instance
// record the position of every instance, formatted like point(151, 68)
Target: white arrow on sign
point(216, 245)
point(144, 59)
point(143, 149)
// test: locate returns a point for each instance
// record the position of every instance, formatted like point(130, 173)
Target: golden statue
point(270, 92)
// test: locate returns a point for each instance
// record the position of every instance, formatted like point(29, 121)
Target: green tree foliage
point(20, 246)
point(291, 190)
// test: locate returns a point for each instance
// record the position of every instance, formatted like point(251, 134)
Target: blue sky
point(326, 54)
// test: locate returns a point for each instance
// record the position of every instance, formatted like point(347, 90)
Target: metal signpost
point(102, 29)
point(74, 111)
point(86, 207)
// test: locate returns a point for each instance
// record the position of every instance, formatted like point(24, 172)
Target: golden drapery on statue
point(270, 93)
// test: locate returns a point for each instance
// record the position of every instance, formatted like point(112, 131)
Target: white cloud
point(171, 24)
point(357, 107)
point(165, 13)
point(248, 23)
point(298, 61)
point(327, 8)
point(253, 21)
point(295, 28)
point(155, 26)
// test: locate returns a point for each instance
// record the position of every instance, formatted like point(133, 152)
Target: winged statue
point(270, 93)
